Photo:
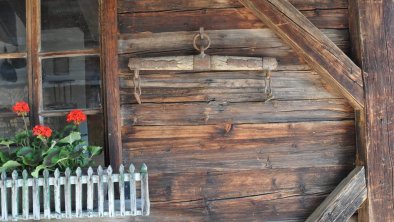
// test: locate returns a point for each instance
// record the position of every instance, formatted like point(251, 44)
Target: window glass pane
point(70, 83)
point(13, 83)
point(11, 125)
point(69, 25)
point(92, 131)
point(12, 26)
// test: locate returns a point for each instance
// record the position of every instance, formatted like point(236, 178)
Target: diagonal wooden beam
point(345, 200)
point(316, 48)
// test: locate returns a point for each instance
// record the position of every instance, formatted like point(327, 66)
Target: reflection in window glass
point(69, 25)
point(12, 26)
point(10, 125)
point(70, 83)
point(13, 83)
point(92, 131)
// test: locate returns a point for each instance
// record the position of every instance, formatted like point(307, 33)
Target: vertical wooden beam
point(371, 26)
point(109, 67)
point(33, 26)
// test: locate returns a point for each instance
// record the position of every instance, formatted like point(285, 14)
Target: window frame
point(107, 52)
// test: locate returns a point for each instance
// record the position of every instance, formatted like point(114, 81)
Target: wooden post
point(371, 27)
point(109, 67)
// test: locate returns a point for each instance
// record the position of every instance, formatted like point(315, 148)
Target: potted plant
point(42, 148)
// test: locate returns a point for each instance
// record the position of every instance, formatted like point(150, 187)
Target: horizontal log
point(225, 87)
point(345, 200)
point(217, 19)
point(211, 185)
point(128, 6)
point(262, 42)
point(246, 146)
point(235, 113)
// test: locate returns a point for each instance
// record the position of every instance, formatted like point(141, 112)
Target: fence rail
point(75, 196)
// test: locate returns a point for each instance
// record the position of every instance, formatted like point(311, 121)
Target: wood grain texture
point(215, 151)
point(226, 87)
point(372, 34)
point(130, 6)
point(307, 40)
point(345, 200)
point(235, 113)
point(109, 67)
point(216, 19)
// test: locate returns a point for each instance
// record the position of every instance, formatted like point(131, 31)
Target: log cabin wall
point(216, 152)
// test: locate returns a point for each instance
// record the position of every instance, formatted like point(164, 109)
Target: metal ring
point(202, 36)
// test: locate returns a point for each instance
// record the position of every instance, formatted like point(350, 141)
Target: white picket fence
point(75, 196)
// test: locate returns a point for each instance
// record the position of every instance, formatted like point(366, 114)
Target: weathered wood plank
point(226, 87)
point(259, 42)
point(246, 146)
point(307, 40)
point(229, 18)
point(372, 34)
point(188, 186)
point(344, 201)
point(235, 113)
point(129, 6)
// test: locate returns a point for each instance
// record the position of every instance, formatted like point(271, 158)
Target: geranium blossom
point(76, 117)
point(42, 131)
point(21, 108)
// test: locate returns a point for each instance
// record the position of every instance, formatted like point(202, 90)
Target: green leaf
point(94, 150)
point(36, 172)
point(4, 157)
point(70, 139)
point(55, 156)
point(7, 143)
point(11, 164)
point(29, 156)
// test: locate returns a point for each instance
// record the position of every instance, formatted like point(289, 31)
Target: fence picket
point(145, 202)
point(47, 195)
point(90, 190)
point(100, 190)
point(111, 193)
point(56, 192)
point(25, 194)
point(78, 193)
point(121, 191)
point(36, 200)
point(41, 188)
point(133, 192)
point(4, 210)
point(67, 193)
point(15, 196)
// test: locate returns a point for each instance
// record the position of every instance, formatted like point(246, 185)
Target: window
point(50, 56)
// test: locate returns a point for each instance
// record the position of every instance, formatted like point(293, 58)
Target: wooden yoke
point(204, 63)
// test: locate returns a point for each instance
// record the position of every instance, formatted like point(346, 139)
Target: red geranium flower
point(21, 108)
point(43, 131)
point(76, 116)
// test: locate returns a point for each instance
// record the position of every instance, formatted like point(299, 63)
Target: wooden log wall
point(215, 151)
